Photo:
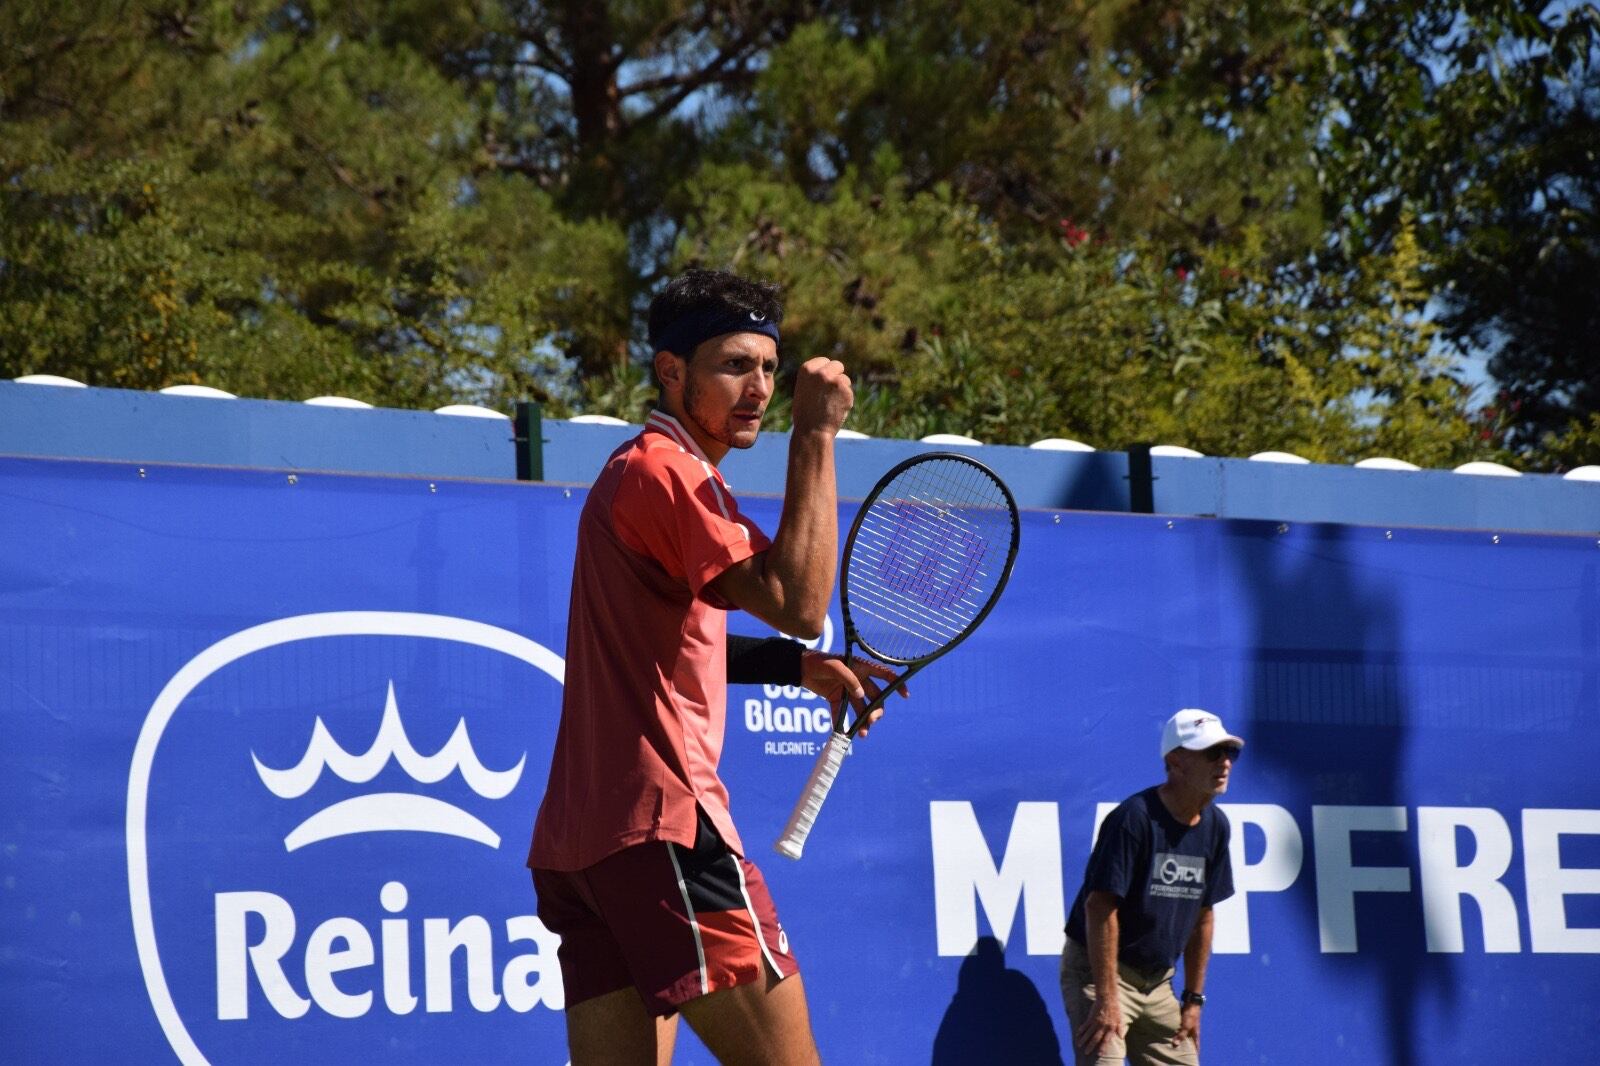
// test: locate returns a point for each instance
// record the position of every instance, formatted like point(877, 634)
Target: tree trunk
point(596, 187)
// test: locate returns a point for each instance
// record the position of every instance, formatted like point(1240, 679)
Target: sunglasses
point(1218, 751)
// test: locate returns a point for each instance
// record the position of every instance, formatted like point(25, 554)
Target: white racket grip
point(793, 840)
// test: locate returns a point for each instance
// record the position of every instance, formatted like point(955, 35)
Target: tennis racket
point(926, 559)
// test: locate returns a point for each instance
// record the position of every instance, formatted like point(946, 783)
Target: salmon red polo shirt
point(644, 704)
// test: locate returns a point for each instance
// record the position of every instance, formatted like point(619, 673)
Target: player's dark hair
point(701, 294)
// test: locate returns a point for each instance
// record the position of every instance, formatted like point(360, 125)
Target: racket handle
point(793, 840)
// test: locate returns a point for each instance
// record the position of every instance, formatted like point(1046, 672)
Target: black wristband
point(764, 660)
point(1194, 998)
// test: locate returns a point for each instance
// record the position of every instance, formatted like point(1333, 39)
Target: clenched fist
point(822, 396)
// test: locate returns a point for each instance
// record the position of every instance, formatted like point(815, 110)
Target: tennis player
point(636, 860)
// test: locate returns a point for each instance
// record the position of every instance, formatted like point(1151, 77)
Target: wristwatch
point(1189, 997)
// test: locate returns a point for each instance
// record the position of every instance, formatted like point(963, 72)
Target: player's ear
point(670, 369)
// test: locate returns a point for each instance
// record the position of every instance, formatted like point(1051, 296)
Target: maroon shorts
point(673, 922)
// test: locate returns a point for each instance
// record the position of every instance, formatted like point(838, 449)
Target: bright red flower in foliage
point(1073, 234)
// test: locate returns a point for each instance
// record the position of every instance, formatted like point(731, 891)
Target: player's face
point(727, 386)
point(1207, 772)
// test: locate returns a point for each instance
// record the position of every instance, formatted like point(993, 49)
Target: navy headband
point(695, 328)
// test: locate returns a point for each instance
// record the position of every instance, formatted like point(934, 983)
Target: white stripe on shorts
point(688, 908)
point(750, 908)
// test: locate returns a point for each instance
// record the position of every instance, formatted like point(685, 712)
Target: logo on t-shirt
point(1176, 876)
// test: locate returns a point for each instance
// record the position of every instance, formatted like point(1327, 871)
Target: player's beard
point(713, 421)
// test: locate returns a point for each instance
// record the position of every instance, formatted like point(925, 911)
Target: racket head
point(927, 557)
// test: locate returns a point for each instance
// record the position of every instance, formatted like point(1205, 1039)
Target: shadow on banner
point(1327, 687)
point(997, 1015)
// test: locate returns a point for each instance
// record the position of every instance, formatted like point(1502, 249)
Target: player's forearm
point(1103, 929)
point(800, 565)
point(1197, 953)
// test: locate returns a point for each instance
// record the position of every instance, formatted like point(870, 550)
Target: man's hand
point(830, 677)
point(822, 396)
point(1104, 1021)
point(1188, 1026)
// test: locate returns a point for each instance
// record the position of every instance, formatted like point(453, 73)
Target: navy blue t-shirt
point(1163, 871)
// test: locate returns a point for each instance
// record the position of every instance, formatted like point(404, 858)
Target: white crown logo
point(389, 811)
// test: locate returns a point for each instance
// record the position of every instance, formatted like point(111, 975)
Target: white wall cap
point(1279, 457)
point(203, 391)
point(850, 434)
point(337, 401)
point(949, 438)
point(49, 379)
point(1176, 451)
point(1061, 444)
point(1583, 473)
point(469, 410)
point(1487, 469)
point(598, 420)
point(1383, 462)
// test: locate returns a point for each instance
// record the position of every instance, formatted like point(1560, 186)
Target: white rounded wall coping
point(205, 392)
point(338, 401)
point(49, 379)
point(1483, 468)
point(469, 410)
point(1383, 462)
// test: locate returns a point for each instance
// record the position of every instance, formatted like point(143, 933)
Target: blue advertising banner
point(273, 745)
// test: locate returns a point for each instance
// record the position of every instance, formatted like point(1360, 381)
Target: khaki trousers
point(1150, 1014)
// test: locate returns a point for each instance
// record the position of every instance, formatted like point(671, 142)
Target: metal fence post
point(530, 441)
point(1141, 481)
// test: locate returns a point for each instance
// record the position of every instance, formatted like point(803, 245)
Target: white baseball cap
point(1196, 730)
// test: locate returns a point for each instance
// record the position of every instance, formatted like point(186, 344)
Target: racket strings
point(939, 578)
point(928, 557)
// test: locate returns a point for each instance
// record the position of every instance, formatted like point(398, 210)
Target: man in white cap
point(1158, 867)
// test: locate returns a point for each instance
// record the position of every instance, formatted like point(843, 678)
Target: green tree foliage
point(1203, 224)
point(1482, 122)
point(267, 203)
point(1104, 342)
